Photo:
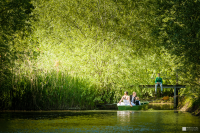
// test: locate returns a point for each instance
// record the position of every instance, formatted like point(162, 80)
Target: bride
point(126, 100)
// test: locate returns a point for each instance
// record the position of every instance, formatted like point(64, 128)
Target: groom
point(132, 98)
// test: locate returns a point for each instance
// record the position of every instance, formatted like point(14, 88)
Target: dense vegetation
point(58, 54)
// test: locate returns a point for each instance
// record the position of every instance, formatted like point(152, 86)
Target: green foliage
point(178, 24)
point(14, 25)
point(178, 28)
point(62, 54)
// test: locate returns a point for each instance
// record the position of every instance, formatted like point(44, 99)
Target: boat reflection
point(125, 117)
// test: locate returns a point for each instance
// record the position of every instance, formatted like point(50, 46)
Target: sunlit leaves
point(114, 44)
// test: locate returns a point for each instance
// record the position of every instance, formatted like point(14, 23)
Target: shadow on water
point(48, 115)
point(66, 113)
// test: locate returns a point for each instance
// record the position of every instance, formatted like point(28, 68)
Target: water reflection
point(127, 117)
point(156, 120)
point(123, 117)
point(146, 121)
point(98, 121)
point(176, 111)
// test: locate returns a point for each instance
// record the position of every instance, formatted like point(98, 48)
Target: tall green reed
point(39, 89)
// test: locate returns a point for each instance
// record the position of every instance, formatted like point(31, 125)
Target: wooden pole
point(175, 97)
point(175, 101)
point(176, 90)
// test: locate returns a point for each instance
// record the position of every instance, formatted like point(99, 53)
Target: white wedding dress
point(124, 103)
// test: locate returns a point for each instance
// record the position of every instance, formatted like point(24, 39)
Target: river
point(103, 121)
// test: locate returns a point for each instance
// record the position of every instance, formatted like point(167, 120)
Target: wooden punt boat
point(143, 106)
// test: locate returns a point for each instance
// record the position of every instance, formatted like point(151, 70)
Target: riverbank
point(190, 104)
point(186, 104)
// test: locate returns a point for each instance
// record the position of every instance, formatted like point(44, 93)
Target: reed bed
point(34, 89)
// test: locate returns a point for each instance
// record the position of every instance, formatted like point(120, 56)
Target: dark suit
point(133, 99)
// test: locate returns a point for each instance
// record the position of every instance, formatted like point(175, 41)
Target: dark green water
point(98, 121)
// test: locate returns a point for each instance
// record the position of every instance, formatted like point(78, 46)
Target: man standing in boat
point(158, 81)
point(132, 98)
